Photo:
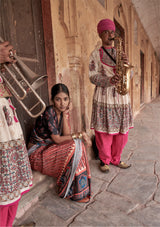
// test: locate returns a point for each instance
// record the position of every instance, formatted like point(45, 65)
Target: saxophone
point(123, 70)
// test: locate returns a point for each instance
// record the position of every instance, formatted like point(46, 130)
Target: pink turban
point(105, 24)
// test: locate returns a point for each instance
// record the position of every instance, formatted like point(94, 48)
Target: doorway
point(151, 80)
point(21, 23)
point(142, 78)
point(120, 32)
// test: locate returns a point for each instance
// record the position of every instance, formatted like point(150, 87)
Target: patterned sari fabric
point(15, 171)
point(67, 162)
point(111, 112)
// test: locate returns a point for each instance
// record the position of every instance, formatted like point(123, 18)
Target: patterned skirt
point(15, 170)
point(68, 164)
point(111, 112)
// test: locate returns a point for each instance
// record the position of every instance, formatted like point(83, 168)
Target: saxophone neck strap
point(109, 55)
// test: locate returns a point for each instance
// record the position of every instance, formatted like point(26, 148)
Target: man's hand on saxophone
point(115, 79)
point(125, 58)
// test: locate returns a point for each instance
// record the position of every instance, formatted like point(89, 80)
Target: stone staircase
point(41, 184)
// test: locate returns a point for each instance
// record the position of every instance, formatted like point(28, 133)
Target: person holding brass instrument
point(55, 152)
point(15, 170)
point(111, 109)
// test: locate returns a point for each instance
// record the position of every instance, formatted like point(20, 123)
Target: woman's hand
point(68, 109)
point(66, 123)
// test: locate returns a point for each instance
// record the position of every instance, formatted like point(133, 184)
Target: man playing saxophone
point(111, 111)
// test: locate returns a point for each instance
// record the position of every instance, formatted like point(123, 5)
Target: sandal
point(104, 168)
point(123, 165)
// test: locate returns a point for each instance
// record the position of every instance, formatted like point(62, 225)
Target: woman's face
point(61, 102)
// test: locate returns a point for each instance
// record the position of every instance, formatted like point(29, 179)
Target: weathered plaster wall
point(75, 36)
point(88, 15)
point(67, 53)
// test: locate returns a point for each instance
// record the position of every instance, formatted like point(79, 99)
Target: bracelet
point(80, 135)
point(74, 136)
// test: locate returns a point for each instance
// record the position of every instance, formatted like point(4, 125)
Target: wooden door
point(21, 24)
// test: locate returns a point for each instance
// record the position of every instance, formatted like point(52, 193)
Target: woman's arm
point(60, 139)
point(65, 127)
point(81, 135)
point(67, 136)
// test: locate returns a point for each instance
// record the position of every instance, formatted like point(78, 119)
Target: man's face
point(107, 37)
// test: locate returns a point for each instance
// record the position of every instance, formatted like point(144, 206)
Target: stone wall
point(75, 36)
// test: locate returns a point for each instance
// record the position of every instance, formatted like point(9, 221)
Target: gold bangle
point(80, 135)
point(74, 136)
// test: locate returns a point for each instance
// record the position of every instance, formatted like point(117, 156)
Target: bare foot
point(84, 200)
point(87, 139)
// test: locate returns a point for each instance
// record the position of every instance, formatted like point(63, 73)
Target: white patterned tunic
point(111, 112)
point(15, 170)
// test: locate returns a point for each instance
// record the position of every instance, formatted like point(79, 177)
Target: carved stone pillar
point(68, 19)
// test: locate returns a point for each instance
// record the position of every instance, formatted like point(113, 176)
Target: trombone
point(22, 83)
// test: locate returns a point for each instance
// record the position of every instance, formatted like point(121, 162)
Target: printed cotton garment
point(67, 162)
point(111, 112)
point(15, 170)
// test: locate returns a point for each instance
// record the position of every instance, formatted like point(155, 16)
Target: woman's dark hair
point(57, 88)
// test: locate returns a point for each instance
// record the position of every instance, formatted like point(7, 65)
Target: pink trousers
point(7, 214)
point(110, 147)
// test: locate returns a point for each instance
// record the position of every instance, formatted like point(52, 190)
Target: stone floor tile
point(149, 216)
point(144, 167)
point(99, 215)
point(147, 151)
point(96, 172)
point(63, 208)
point(157, 195)
point(97, 185)
point(111, 201)
point(136, 187)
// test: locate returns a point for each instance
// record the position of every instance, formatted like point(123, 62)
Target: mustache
point(111, 38)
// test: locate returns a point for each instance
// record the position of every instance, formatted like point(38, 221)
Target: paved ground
point(128, 197)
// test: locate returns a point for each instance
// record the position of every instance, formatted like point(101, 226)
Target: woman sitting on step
point(55, 152)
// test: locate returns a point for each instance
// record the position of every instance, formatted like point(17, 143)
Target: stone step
point(41, 184)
